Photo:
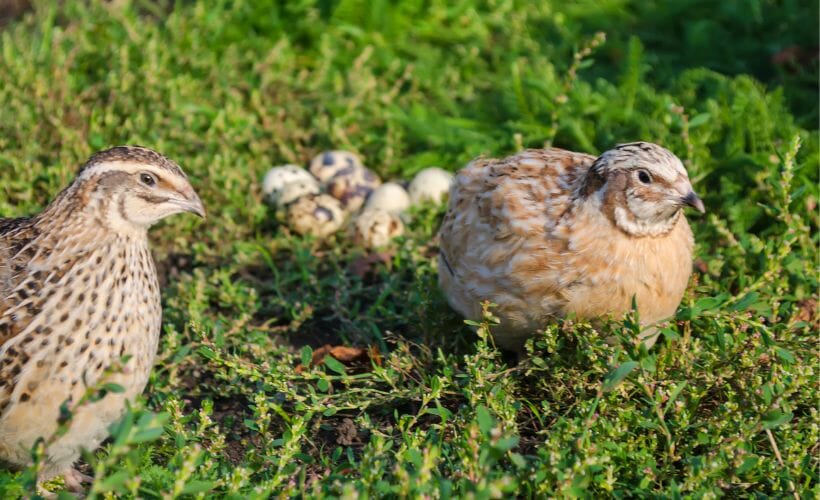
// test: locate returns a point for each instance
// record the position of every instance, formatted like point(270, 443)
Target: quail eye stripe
point(152, 199)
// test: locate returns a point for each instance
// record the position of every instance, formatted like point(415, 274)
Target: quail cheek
point(645, 209)
point(138, 212)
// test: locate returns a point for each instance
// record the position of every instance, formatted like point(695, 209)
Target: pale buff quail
point(79, 293)
point(548, 233)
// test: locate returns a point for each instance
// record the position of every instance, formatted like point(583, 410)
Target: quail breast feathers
point(78, 294)
point(548, 233)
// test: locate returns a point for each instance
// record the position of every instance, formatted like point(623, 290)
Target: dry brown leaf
point(807, 310)
point(347, 433)
point(343, 354)
point(363, 265)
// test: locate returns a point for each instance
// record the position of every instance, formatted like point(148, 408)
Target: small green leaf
point(112, 387)
point(335, 365)
point(766, 392)
point(206, 352)
point(674, 395)
point(708, 303)
point(145, 420)
point(146, 435)
point(701, 119)
point(518, 460)
point(785, 355)
point(776, 418)
point(122, 430)
point(443, 413)
point(485, 421)
point(745, 302)
point(198, 487)
point(747, 465)
point(648, 424)
point(181, 353)
point(687, 313)
point(415, 457)
point(586, 63)
point(617, 375)
point(307, 355)
point(507, 444)
point(115, 481)
point(648, 364)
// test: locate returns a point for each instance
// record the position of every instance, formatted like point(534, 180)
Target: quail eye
point(644, 176)
point(148, 179)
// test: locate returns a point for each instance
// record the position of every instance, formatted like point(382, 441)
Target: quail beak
point(190, 202)
point(195, 206)
point(694, 201)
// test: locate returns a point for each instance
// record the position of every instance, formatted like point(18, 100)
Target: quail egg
point(390, 197)
point(374, 228)
point(431, 184)
point(329, 163)
point(353, 186)
point(285, 184)
point(295, 190)
point(319, 215)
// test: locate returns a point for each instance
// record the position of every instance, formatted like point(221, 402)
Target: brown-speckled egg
point(319, 215)
point(286, 183)
point(352, 187)
point(329, 163)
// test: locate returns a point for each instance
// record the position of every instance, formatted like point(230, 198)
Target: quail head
point(548, 233)
point(79, 298)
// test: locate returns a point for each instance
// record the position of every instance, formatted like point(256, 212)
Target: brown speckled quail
point(79, 293)
point(548, 233)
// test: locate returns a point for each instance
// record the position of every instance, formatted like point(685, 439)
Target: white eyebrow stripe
point(667, 170)
point(129, 167)
point(656, 159)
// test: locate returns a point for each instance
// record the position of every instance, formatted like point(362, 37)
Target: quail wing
point(495, 204)
point(9, 239)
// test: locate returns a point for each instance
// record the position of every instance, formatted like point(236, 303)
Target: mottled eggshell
point(319, 215)
point(329, 163)
point(374, 228)
point(295, 190)
point(390, 197)
point(285, 184)
point(353, 186)
point(432, 183)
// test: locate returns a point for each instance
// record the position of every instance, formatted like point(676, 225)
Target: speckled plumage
point(78, 292)
point(546, 233)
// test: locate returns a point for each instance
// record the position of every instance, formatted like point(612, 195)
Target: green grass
point(725, 404)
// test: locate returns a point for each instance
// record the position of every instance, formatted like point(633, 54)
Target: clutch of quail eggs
point(337, 190)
